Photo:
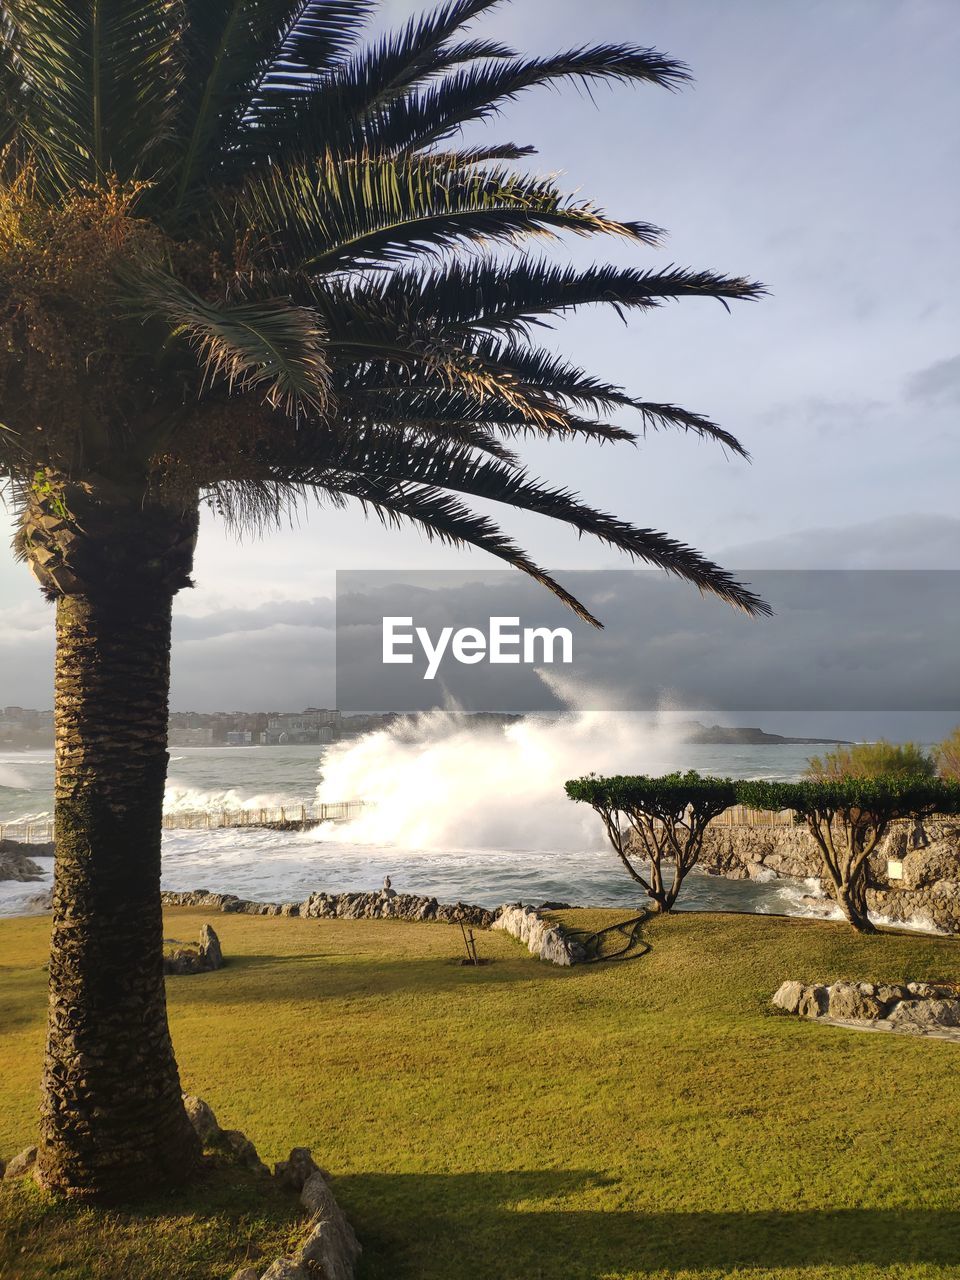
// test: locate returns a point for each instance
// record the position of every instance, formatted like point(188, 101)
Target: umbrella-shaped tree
point(229, 274)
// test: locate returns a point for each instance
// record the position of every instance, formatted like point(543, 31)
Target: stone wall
point(542, 938)
point(928, 894)
point(383, 905)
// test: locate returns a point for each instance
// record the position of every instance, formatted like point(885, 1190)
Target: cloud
point(916, 541)
point(840, 640)
point(316, 613)
point(937, 384)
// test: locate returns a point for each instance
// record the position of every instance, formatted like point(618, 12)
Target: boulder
point(17, 866)
point(286, 1269)
point(813, 1001)
point(206, 956)
point(854, 1002)
point(332, 1247)
point(210, 949)
point(296, 1169)
point(788, 996)
point(927, 989)
point(246, 1273)
point(21, 1164)
point(925, 1015)
point(541, 937)
point(201, 1116)
point(239, 1146)
point(888, 993)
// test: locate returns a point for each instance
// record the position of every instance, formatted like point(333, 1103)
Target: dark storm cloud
point(856, 641)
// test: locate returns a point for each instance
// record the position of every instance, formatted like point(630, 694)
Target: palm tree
point(229, 275)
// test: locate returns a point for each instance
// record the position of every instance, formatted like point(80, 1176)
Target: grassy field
point(647, 1118)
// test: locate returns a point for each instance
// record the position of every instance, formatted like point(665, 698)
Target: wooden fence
point(739, 815)
point(27, 832)
point(300, 815)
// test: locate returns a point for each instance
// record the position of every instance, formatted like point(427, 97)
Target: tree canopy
point(246, 257)
point(667, 818)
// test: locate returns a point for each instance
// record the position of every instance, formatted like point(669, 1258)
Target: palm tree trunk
point(112, 1118)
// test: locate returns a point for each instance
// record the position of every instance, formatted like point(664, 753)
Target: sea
point(450, 811)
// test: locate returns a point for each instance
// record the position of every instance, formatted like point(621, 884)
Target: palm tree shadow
point(482, 1224)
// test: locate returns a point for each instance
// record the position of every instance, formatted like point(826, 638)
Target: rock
point(39, 902)
point(201, 1116)
point(926, 989)
point(21, 1164)
point(788, 996)
point(296, 1169)
point(332, 1246)
point(239, 1146)
point(854, 1002)
point(17, 866)
point(203, 958)
point(210, 950)
point(813, 1001)
point(889, 992)
point(542, 938)
point(925, 1015)
point(246, 1273)
point(286, 1269)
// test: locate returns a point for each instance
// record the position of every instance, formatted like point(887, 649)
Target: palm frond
point(382, 71)
point(236, 51)
point(479, 92)
point(329, 215)
point(100, 83)
point(269, 347)
point(317, 34)
point(337, 105)
point(483, 155)
point(511, 296)
point(395, 457)
point(389, 100)
point(367, 398)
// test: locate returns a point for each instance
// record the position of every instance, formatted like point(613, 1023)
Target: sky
point(817, 152)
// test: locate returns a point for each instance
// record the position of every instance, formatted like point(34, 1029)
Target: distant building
point(196, 736)
point(239, 738)
point(315, 725)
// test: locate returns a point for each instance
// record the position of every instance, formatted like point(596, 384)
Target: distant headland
point(730, 735)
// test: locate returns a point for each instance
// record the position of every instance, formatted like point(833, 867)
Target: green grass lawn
point(646, 1118)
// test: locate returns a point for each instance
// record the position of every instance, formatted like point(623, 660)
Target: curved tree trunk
point(112, 1119)
point(852, 897)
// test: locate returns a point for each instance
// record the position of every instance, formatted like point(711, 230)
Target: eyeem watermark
point(503, 643)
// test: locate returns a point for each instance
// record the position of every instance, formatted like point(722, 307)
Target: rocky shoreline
point(17, 861)
point(382, 905)
point(543, 938)
point(927, 854)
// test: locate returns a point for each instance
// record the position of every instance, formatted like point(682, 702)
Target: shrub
point(874, 760)
point(948, 757)
point(668, 817)
point(848, 817)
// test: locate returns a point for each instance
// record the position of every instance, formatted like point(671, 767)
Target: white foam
point(450, 785)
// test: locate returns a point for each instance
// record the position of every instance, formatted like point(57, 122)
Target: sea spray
point(442, 782)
